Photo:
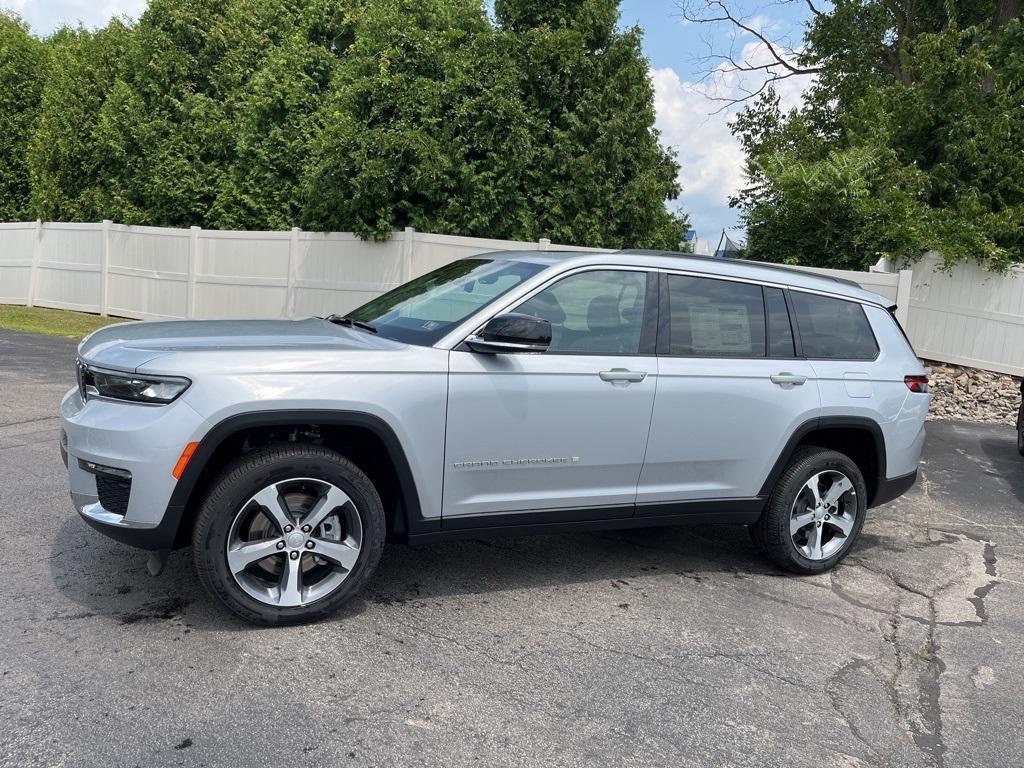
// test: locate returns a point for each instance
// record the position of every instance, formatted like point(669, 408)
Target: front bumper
point(142, 440)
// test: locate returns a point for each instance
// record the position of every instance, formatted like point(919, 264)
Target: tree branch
point(782, 59)
point(727, 16)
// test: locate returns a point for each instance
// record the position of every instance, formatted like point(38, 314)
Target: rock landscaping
point(970, 394)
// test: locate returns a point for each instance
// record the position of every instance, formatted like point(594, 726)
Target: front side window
point(833, 329)
point(425, 309)
point(596, 313)
point(715, 318)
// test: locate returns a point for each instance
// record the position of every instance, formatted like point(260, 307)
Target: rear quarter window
point(833, 329)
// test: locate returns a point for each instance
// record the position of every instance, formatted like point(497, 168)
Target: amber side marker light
point(186, 455)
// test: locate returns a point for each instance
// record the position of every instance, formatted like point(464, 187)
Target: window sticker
point(720, 327)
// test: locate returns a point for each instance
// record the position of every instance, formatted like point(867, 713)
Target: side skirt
point(731, 511)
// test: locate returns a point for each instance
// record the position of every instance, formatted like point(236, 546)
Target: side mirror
point(511, 333)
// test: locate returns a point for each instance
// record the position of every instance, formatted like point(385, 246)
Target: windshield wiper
point(350, 322)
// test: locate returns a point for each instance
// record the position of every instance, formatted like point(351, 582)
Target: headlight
point(124, 386)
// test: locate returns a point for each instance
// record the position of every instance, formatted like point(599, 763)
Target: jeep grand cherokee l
point(512, 392)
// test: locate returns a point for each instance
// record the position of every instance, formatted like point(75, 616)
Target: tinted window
point(715, 318)
point(597, 313)
point(425, 309)
point(780, 332)
point(833, 328)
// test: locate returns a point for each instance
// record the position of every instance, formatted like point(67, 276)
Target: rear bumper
point(892, 488)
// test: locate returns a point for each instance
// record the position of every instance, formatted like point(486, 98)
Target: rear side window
point(833, 329)
point(715, 318)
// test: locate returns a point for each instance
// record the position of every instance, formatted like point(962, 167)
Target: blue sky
point(710, 159)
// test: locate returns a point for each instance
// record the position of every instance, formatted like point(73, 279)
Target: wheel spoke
point(290, 586)
point(326, 504)
point(814, 543)
point(842, 522)
point(840, 486)
point(799, 521)
point(242, 556)
point(274, 505)
point(812, 486)
point(338, 552)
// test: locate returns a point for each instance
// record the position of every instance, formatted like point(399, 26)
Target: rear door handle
point(622, 374)
point(791, 379)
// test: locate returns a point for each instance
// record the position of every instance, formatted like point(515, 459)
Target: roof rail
point(758, 264)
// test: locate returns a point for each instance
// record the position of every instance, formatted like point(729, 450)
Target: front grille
point(113, 493)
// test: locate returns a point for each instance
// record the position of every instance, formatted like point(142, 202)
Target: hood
point(126, 346)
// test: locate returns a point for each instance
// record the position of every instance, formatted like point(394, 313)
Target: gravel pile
point(970, 394)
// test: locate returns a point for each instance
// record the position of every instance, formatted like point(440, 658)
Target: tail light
point(916, 383)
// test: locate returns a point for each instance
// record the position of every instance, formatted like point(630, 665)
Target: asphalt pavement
point(660, 647)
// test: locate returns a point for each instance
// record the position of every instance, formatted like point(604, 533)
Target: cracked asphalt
point(661, 647)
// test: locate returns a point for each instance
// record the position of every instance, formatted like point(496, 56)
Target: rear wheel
point(288, 534)
point(815, 512)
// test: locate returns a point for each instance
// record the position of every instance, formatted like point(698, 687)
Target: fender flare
point(828, 422)
point(232, 425)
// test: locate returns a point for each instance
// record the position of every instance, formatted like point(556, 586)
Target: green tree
point(910, 140)
point(75, 165)
point(23, 62)
point(363, 115)
point(600, 176)
point(423, 127)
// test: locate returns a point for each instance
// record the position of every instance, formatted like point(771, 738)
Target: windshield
point(425, 309)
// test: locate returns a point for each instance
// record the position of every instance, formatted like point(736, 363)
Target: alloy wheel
point(294, 542)
point(823, 515)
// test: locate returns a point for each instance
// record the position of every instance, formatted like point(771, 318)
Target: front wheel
point(815, 512)
point(288, 534)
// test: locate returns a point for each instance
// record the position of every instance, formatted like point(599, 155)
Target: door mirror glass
point(512, 333)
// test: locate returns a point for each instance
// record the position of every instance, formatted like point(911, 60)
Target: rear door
point(559, 435)
point(857, 377)
point(730, 392)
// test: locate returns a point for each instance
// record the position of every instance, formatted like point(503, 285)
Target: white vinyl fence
point(156, 272)
point(969, 317)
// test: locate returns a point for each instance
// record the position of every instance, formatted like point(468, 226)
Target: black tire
point(772, 531)
point(239, 482)
point(1020, 430)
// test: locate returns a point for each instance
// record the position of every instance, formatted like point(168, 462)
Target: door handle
point(622, 374)
point(791, 379)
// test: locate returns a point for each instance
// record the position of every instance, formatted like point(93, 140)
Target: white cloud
point(45, 16)
point(694, 121)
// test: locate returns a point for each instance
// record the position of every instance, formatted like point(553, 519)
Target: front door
point(559, 435)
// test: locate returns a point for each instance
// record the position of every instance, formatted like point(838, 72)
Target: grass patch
point(54, 322)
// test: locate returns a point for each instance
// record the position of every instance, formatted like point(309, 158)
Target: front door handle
point(622, 374)
point(790, 379)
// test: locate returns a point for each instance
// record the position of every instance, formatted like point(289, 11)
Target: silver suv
point(515, 392)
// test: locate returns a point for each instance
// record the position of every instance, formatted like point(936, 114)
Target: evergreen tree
point(23, 67)
point(362, 115)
